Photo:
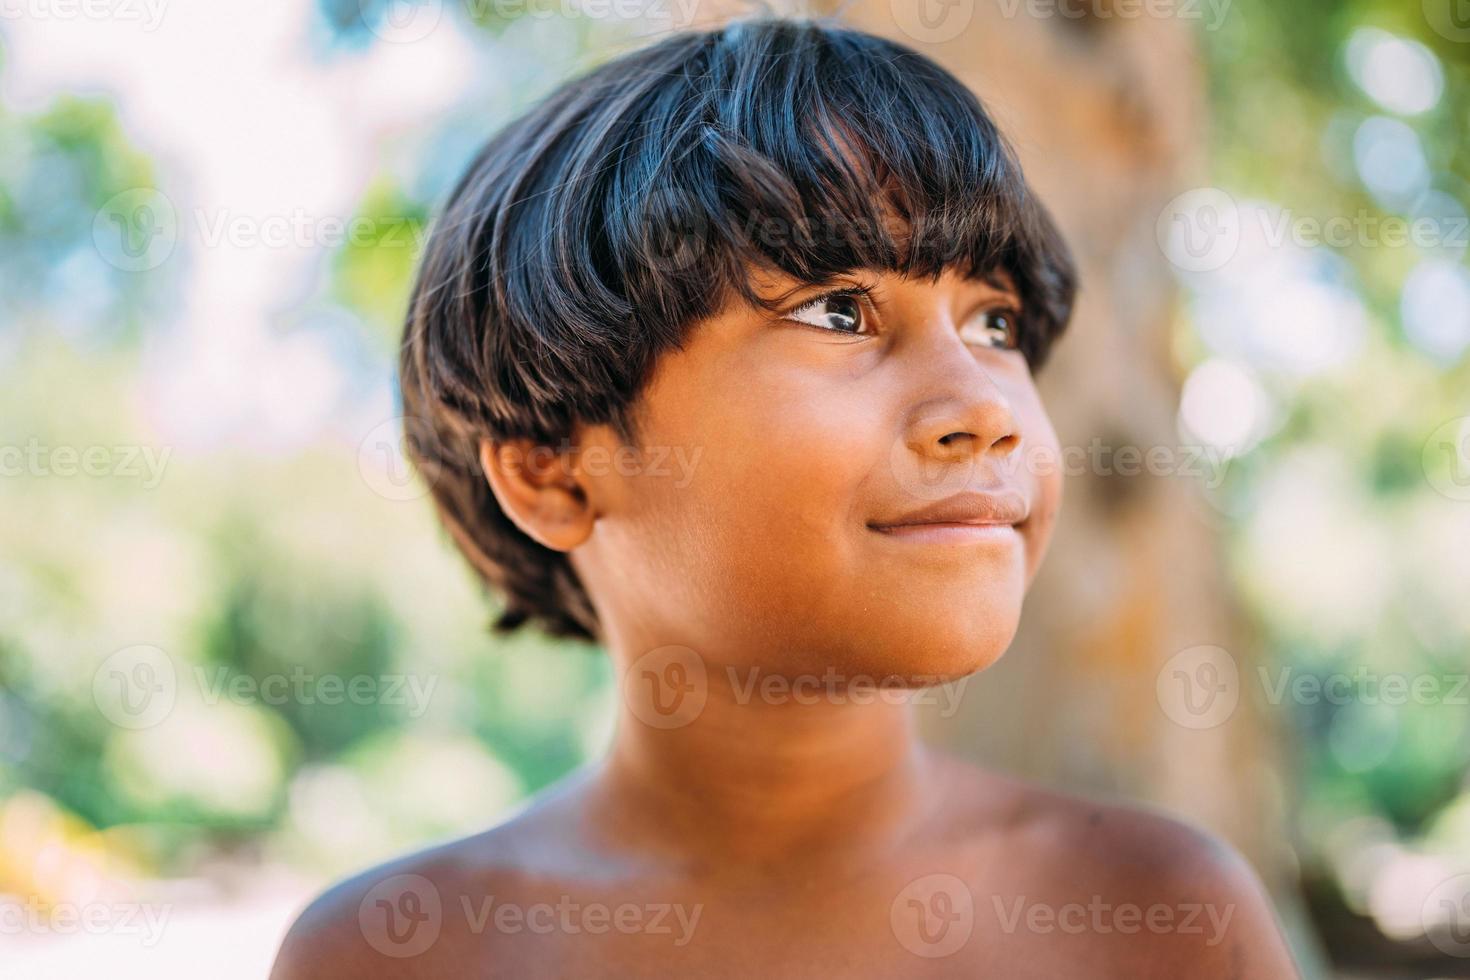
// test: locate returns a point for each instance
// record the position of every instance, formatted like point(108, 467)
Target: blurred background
point(238, 658)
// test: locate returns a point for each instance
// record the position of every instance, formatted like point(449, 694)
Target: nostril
point(1005, 444)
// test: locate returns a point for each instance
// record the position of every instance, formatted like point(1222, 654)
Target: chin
point(923, 653)
point(965, 655)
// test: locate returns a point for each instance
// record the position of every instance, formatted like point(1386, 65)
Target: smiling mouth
point(951, 532)
point(981, 516)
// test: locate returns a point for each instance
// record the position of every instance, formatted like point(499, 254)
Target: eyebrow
point(836, 280)
point(997, 279)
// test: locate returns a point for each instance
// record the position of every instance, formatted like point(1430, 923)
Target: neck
point(757, 777)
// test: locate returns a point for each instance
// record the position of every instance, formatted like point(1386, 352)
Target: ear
point(540, 490)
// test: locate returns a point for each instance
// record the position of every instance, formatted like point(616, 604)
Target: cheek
point(1042, 462)
point(786, 454)
point(751, 546)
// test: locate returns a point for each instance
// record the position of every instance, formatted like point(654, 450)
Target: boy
point(804, 259)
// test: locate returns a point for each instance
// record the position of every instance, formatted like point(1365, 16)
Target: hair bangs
point(817, 152)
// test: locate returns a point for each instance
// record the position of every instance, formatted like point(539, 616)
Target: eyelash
point(861, 292)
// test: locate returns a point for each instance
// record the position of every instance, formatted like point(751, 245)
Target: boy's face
point(854, 489)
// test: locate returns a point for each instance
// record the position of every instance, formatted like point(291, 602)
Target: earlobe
point(538, 489)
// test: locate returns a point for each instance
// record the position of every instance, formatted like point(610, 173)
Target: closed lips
point(1005, 507)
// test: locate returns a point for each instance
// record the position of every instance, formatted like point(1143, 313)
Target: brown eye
point(838, 312)
point(993, 328)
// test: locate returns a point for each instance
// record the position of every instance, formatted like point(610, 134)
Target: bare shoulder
point(405, 918)
point(1172, 898)
point(427, 912)
point(1128, 843)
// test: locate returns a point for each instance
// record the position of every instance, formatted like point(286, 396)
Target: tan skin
point(813, 836)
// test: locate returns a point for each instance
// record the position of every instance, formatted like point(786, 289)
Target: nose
point(964, 415)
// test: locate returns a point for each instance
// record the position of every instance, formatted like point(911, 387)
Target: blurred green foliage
point(1347, 538)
